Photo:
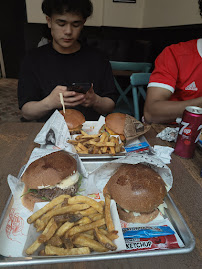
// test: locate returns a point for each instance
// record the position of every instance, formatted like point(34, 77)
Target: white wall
point(159, 13)
point(143, 14)
point(35, 14)
point(123, 14)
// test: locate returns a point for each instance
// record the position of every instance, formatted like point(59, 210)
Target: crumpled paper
point(169, 134)
point(134, 128)
point(163, 153)
point(54, 132)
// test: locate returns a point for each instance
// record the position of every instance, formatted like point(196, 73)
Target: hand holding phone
point(80, 87)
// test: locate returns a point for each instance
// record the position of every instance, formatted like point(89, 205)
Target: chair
point(138, 82)
point(126, 69)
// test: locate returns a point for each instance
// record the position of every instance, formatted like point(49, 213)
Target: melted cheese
point(136, 214)
point(161, 208)
point(65, 183)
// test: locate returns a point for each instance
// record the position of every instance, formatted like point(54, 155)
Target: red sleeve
point(166, 68)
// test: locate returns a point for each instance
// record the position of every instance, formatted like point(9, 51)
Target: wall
point(123, 14)
point(143, 14)
point(35, 14)
point(159, 13)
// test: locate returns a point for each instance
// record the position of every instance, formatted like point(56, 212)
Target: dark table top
point(16, 145)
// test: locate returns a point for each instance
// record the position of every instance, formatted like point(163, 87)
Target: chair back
point(125, 69)
point(131, 66)
point(138, 82)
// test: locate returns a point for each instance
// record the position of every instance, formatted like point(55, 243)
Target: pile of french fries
point(97, 144)
point(73, 226)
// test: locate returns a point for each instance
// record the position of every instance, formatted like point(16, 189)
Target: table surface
point(16, 145)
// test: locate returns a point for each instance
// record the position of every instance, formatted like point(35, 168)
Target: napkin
point(163, 153)
point(169, 134)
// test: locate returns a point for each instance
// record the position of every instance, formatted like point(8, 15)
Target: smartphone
point(80, 87)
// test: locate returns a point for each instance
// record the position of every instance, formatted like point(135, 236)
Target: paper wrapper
point(134, 128)
point(54, 132)
point(14, 229)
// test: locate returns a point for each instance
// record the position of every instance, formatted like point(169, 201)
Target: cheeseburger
point(138, 191)
point(49, 177)
point(74, 120)
point(114, 124)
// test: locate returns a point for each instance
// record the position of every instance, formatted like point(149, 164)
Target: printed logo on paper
point(124, 224)
point(94, 196)
point(14, 226)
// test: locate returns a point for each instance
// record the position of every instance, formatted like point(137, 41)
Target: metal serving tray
point(110, 157)
point(172, 213)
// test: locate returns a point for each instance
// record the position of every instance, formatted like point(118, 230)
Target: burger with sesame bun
point(74, 120)
point(114, 124)
point(138, 191)
point(49, 177)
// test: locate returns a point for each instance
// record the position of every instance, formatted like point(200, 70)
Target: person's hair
point(79, 7)
point(200, 6)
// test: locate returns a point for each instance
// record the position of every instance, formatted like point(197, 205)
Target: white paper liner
point(14, 229)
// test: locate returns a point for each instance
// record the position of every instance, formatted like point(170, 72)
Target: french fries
point(73, 226)
point(97, 144)
point(108, 218)
point(46, 208)
point(51, 250)
point(104, 240)
point(59, 211)
point(86, 200)
point(84, 241)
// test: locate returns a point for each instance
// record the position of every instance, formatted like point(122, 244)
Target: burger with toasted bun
point(138, 191)
point(114, 124)
point(49, 177)
point(74, 120)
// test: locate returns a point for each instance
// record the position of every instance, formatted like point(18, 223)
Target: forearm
point(36, 109)
point(103, 105)
point(168, 111)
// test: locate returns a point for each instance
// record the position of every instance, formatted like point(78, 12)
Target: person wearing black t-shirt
point(48, 70)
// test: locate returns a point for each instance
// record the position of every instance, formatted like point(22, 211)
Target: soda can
point(189, 132)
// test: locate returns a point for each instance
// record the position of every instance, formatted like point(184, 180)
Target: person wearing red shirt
point(176, 81)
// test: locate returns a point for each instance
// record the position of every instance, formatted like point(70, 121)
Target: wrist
point(46, 102)
point(96, 101)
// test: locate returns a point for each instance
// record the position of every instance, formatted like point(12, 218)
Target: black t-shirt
point(44, 68)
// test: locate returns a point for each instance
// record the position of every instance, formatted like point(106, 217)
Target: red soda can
point(189, 132)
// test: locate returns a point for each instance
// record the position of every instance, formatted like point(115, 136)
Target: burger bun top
point(116, 122)
point(136, 188)
point(49, 170)
point(73, 118)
